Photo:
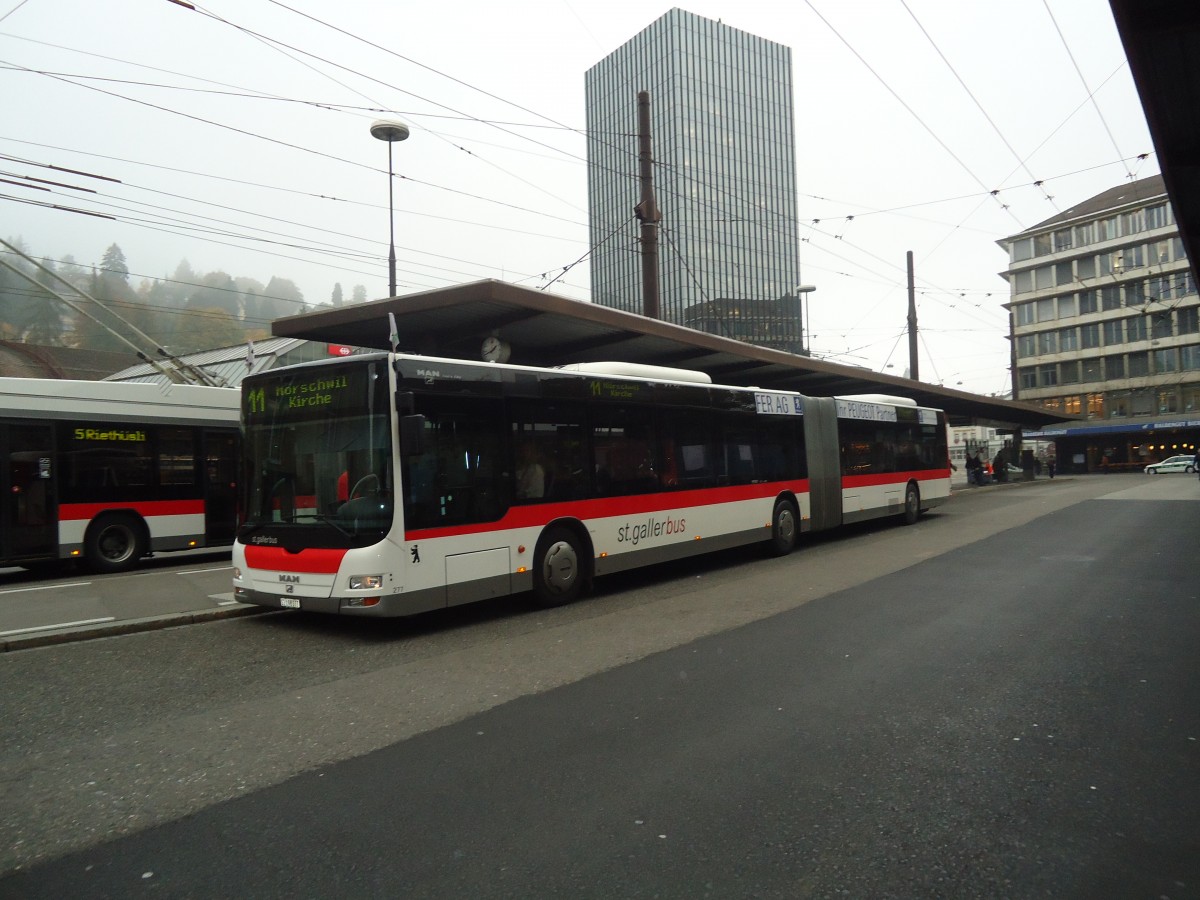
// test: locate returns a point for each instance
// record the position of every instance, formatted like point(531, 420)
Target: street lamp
point(804, 290)
point(390, 131)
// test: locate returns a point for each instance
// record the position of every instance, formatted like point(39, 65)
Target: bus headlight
point(366, 582)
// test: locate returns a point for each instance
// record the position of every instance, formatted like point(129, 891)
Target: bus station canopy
point(542, 329)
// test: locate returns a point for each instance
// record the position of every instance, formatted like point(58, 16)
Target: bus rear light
point(366, 582)
point(603, 553)
point(237, 573)
point(696, 538)
point(521, 548)
point(362, 601)
point(193, 543)
point(521, 570)
point(76, 552)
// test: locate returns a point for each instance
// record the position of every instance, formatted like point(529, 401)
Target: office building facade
point(724, 173)
point(1105, 324)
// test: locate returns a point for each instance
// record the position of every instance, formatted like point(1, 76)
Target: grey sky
point(909, 112)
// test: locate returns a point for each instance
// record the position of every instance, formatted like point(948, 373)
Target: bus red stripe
point(313, 560)
point(539, 514)
point(853, 481)
point(147, 508)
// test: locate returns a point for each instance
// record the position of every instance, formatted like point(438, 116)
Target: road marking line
point(48, 587)
point(59, 625)
point(225, 599)
point(202, 571)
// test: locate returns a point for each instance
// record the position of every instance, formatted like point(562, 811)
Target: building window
point(1159, 287)
point(1088, 302)
point(1118, 405)
point(1156, 216)
point(1072, 405)
point(1095, 406)
point(1041, 244)
point(1023, 281)
point(1068, 340)
point(1054, 403)
point(1133, 222)
point(1139, 364)
point(1046, 343)
point(1062, 240)
point(1188, 320)
point(1135, 329)
point(1165, 361)
point(1134, 257)
point(1160, 325)
point(1135, 294)
point(1047, 376)
point(1045, 309)
point(1068, 372)
point(1021, 249)
point(1062, 273)
point(1184, 284)
point(1089, 336)
point(1110, 297)
point(1028, 378)
point(1114, 367)
point(1177, 246)
point(1023, 313)
point(1189, 357)
point(1092, 370)
point(1026, 346)
point(1085, 267)
point(1043, 278)
point(1113, 333)
point(1160, 252)
point(1085, 234)
point(1106, 229)
point(1141, 403)
point(1191, 398)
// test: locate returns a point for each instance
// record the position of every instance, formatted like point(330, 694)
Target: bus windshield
point(317, 456)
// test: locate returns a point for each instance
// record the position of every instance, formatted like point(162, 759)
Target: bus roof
point(59, 399)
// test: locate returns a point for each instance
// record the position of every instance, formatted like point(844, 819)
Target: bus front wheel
point(114, 543)
point(912, 505)
point(783, 528)
point(558, 577)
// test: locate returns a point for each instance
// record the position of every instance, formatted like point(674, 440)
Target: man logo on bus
point(416, 553)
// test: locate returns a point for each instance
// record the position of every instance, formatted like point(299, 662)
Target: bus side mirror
point(405, 402)
point(412, 435)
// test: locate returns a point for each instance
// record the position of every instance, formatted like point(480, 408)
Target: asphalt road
point(997, 702)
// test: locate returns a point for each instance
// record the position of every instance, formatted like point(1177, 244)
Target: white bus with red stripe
point(110, 472)
point(391, 484)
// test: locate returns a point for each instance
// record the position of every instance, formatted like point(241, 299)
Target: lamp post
point(804, 290)
point(390, 131)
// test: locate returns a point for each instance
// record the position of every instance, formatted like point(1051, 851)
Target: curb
point(128, 626)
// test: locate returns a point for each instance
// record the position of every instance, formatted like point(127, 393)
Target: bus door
point(824, 462)
point(220, 487)
point(28, 501)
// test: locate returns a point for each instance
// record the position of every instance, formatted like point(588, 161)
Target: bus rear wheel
point(784, 522)
point(114, 543)
point(912, 505)
point(558, 577)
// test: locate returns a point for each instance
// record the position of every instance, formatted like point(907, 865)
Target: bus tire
point(114, 543)
point(784, 528)
point(912, 504)
point(558, 574)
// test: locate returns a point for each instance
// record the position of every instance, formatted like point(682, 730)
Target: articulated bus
point(388, 484)
point(109, 472)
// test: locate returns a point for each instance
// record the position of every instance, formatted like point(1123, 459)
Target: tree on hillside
point(206, 329)
point(336, 297)
point(41, 319)
point(359, 295)
point(281, 298)
point(113, 263)
point(217, 291)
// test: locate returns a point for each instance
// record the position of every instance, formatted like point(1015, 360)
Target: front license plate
point(289, 602)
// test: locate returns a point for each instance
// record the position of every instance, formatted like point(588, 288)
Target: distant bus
point(109, 472)
point(390, 484)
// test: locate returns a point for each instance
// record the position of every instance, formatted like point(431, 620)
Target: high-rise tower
point(724, 175)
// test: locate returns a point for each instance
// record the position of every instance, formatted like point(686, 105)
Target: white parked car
point(1173, 464)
